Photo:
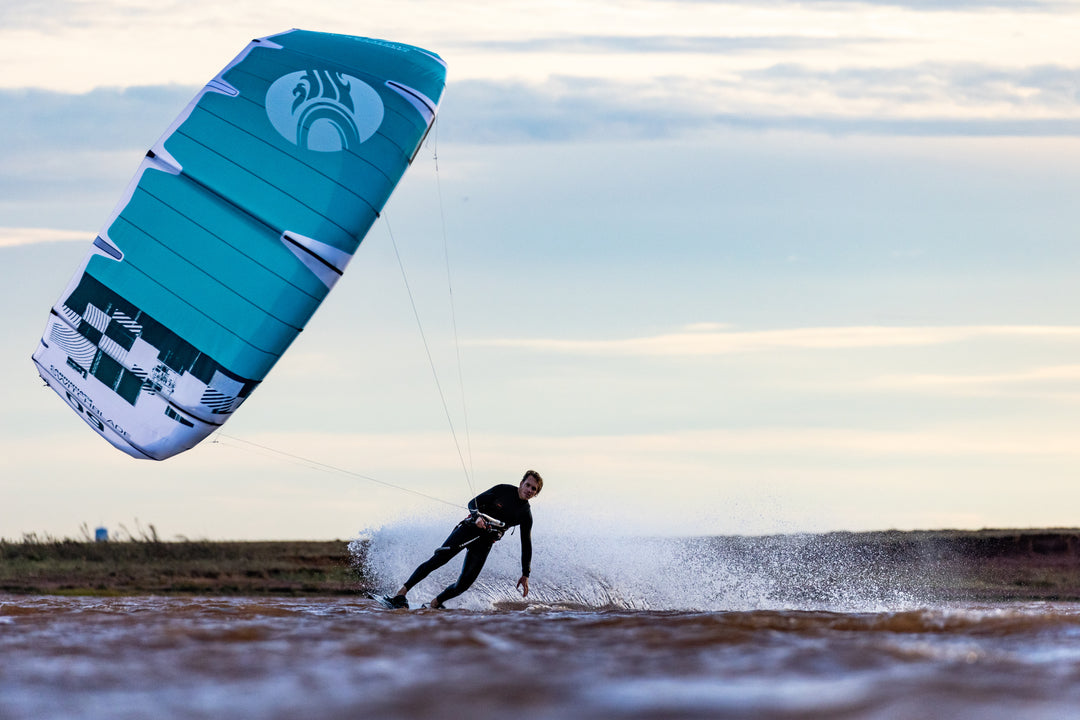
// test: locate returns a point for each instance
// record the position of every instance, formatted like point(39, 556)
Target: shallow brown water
point(154, 657)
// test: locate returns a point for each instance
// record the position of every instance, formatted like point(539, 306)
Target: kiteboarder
point(490, 514)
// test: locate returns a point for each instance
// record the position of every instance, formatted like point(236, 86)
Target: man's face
point(528, 488)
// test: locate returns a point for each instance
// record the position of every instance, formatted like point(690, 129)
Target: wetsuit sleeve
point(526, 542)
point(482, 500)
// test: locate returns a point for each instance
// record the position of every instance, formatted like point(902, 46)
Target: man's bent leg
point(450, 547)
point(475, 557)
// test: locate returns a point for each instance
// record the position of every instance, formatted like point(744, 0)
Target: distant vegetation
point(144, 564)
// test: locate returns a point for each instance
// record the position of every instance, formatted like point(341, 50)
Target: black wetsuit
point(501, 502)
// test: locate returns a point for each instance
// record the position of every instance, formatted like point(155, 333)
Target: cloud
point(56, 15)
point(10, 237)
point(1046, 87)
point(920, 5)
point(101, 120)
point(1053, 382)
point(676, 44)
point(725, 342)
point(44, 128)
point(955, 5)
point(67, 156)
point(931, 100)
point(920, 100)
point(838, 125)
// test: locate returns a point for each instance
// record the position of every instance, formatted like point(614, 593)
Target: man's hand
point(480, 522)
point(523, 585)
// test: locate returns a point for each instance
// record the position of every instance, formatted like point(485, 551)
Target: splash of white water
point(612, 571)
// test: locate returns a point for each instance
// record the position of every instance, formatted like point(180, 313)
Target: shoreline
point(978, 565)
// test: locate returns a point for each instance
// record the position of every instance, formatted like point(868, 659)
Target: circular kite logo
point(324, 110)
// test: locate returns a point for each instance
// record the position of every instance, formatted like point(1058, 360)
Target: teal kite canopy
point(238, 222)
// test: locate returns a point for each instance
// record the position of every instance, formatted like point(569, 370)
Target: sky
point(710, 267)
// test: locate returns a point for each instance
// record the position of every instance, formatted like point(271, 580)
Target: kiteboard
point(239, 221)
point(387, 603)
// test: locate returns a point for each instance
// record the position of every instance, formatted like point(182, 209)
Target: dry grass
point(52, 566)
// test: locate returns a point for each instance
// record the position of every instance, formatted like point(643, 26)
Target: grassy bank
point(988, 565)
point(195, 567)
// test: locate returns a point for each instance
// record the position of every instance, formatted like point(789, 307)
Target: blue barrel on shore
point(101, 534)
